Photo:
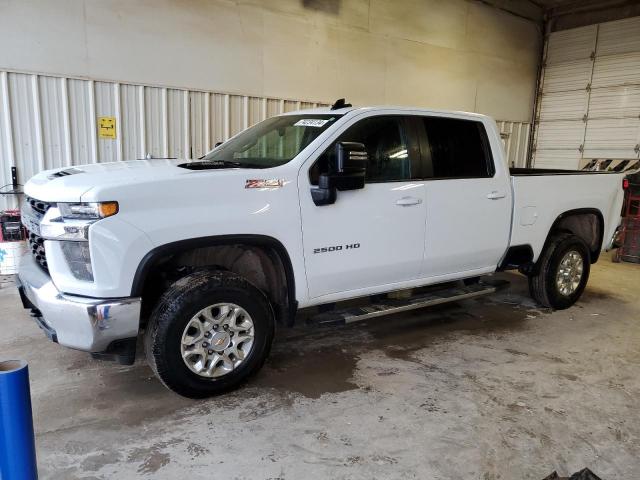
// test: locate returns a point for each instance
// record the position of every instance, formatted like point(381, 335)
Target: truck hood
point(71, 184)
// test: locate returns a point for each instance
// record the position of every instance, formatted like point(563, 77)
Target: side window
point(387, 144)
point(457, 148)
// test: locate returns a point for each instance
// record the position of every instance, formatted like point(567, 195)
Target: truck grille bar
point(37, 205)
point(36, 242)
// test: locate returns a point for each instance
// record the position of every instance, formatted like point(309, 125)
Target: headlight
point(71, 221)
point(87, 211)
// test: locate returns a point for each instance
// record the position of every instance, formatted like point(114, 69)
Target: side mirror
point(348, 173)
point(351, 165)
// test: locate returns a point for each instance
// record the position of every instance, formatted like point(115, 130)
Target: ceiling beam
point(526, 9)
point(574, 13)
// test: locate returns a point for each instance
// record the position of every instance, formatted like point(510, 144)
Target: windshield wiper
point(235, 164)
point(212, 164)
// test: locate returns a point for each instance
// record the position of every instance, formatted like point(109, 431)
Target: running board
point(391, 306)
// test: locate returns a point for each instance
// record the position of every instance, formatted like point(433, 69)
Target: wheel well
point(588, 224)
point(516, 256)
point(263, 261)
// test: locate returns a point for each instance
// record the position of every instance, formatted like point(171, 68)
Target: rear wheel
point(562, 272)
point(209, 332)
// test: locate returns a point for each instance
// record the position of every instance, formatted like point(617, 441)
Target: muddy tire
point(561, 273)
point(209, 332)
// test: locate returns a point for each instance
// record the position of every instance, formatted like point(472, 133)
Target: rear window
point(457, 149)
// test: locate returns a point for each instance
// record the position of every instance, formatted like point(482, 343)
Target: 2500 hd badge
point(336, 248)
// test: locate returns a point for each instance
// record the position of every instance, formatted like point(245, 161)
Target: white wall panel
point(131, 100)
point(258, 112)
point(236, 114)
point(178, 124)
point(200, 136)
point(7, 157)
point(515, 138)
point(274, 107)
point(219, 118)
point(54, 124)
point(155, 114)
point(82, 149)
point(24, 125)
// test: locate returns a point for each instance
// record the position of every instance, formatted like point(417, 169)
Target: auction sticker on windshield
point(310, 122)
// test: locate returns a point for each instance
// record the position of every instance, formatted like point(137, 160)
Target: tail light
point(625, 183)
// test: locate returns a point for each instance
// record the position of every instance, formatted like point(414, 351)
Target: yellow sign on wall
point(107, 127)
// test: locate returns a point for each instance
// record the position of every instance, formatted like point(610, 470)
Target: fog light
point(78, 259)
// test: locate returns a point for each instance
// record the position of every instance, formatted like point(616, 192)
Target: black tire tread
point(538, 287)
point(169, 303)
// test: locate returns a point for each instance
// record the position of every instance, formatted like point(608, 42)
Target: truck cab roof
point(385, 108)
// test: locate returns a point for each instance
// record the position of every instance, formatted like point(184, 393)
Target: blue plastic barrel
point(17, 442)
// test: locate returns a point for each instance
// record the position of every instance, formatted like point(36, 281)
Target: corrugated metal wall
point(589, 106)
point(49, 122)
point(515, 138)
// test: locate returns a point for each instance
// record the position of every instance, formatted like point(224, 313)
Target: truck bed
point(541, 196)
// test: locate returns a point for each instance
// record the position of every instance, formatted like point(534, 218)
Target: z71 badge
point(262, 183)
point(336, 248)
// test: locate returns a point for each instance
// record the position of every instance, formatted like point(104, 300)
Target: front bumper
point(89, 324)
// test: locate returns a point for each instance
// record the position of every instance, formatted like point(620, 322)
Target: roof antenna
point(340, 103)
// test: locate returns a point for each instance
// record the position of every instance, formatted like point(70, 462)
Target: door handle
point(495, 195)
point(408, 201)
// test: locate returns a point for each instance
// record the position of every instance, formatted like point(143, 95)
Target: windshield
point(272, 142)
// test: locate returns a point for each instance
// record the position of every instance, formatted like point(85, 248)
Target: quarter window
point(457, 148)
point(385, 139)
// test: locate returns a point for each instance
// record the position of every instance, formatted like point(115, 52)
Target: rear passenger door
point(468, 199)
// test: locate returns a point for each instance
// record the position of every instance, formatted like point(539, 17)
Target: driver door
point(372, 237)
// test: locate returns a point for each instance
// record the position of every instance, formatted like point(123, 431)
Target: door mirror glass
point(351, 165)
point(348, 173)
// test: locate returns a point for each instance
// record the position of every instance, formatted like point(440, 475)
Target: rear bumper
point(88, 324)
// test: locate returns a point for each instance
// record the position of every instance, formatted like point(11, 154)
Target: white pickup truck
point(306, 209)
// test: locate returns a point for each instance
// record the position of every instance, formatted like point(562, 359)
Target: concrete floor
point(493, 388)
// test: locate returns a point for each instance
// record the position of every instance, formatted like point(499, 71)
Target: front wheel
point(209, 332)
point(562, 272)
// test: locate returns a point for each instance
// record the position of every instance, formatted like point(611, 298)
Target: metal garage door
point(589, 107)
